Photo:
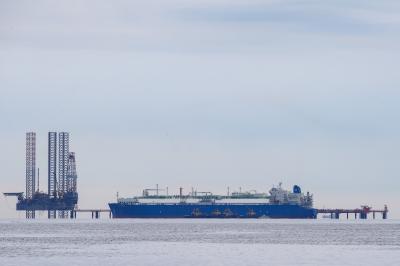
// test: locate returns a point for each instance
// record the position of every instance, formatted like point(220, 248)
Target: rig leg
point(52, 214)
point(347, 215)
point(337, 215)
point(97, 215)
point(384, 215)
point(92, 215)
point(30, 214)
point(373, 215)
point(355, 215)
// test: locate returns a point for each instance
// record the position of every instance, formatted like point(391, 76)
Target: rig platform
point(62, 195)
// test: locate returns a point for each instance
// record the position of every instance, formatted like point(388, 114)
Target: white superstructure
point(277, 195)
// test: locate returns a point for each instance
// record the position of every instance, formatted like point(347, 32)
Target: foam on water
point(199, 242)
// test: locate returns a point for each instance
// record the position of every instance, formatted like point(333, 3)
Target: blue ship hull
point(207, 210)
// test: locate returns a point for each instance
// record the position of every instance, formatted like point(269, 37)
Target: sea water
point(199, 242)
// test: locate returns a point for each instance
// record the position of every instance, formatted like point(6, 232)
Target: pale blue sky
point(206, 94)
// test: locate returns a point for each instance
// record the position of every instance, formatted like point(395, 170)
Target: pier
point(95, 213)
point(362, 212)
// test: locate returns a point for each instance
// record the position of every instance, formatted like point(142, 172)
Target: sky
point(206, 94)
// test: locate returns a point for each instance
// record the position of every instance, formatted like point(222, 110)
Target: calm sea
point(199, 242)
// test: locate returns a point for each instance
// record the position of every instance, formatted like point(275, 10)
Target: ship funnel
point(296, 189)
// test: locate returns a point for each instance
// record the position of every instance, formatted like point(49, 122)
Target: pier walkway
point(95, 213)
point(361, 212)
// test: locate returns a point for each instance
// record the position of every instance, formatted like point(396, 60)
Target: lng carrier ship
point(278, 203)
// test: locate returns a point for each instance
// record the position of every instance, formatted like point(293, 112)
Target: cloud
point(305, 89)
point(205, 26)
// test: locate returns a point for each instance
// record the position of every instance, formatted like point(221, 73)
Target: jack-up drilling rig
point(62, 196)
